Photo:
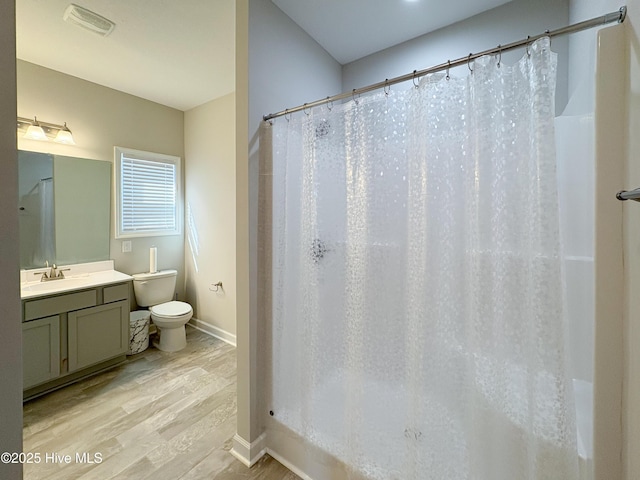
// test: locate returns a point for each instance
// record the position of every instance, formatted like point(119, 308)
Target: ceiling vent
point(88, 20)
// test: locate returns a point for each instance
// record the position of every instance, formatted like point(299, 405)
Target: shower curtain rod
point(618, 16)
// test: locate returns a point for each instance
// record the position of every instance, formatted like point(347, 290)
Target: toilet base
point(171, 339)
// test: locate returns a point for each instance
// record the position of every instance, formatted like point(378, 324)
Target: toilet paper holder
point(216, 287)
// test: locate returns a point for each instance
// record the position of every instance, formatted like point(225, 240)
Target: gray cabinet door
point(41, 350)
point(97, 334)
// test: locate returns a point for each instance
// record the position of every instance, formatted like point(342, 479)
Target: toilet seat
point(171, 309)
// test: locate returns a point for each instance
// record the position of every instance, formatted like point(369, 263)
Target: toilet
point(156, 290)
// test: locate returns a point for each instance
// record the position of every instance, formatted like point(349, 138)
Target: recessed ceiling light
point(88, 20)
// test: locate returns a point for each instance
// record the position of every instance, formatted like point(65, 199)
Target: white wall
point(631, 232)
point(246, 428)
point(210, 215)
point(10, 324)
point(504, 24)
point(100, 119)
point(630, 229)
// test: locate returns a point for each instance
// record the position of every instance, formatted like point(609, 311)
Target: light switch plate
point(126, 246)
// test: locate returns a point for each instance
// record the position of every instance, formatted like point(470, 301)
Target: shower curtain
point(45, 250)
point(417, 305)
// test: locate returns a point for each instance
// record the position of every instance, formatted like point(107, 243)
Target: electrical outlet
point(126, 246)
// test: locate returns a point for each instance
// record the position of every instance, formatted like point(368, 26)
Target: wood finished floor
point(158, 416)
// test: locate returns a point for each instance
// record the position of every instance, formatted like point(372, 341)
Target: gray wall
point(10, 339)
point(286, 67)
point(100, 119)
point(505, 24)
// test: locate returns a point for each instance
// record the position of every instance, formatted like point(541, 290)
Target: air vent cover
point(88, 20)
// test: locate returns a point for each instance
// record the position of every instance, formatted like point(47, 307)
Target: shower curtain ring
point(304, 109)
point(528, 45)
point(387, 87)
point(287, 118)
point(499, 55)
point(448, 68)
point(469, 63)
point(417, 85)
point(329, 104)
point(353, 95)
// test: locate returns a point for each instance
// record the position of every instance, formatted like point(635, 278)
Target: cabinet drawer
point(116, 292)
point(63, 303)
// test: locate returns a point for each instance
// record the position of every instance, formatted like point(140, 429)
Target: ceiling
point(177, 53)
point(352, 29)
point(182, 53)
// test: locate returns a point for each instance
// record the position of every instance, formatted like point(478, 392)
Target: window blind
point(148, 196)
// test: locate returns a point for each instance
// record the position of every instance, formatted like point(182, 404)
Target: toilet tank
point(154, 288)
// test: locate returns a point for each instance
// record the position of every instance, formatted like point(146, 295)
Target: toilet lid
point(171, 309)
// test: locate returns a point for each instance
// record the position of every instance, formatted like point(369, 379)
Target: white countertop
point(78, 277)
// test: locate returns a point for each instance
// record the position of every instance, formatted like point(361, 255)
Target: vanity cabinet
point(97, 333)
point(41, 342)
point(71, 335)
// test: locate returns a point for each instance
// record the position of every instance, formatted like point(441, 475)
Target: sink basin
point(56, 285)
point(77, 277)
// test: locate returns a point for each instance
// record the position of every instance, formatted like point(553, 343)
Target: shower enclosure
point(36, 212)
point(416, 309)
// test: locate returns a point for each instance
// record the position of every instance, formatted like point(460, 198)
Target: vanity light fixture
point(35, 131)
point(38, 130)
point(64, 136)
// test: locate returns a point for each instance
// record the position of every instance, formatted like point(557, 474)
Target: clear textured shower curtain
point(45, 251)
point(417, 315)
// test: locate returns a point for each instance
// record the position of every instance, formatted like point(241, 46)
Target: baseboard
point(212, 330)
point(249, 453)
point(288, 464)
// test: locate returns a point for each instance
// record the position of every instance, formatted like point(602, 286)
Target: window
point(147, 191)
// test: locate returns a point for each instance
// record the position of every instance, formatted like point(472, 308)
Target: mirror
point(65, 209)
